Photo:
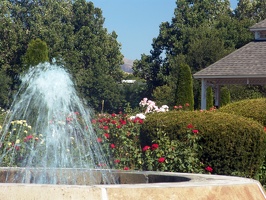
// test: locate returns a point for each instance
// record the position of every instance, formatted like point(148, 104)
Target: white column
point(217, 95)
point(203, 93)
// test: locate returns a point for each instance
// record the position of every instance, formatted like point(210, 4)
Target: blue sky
point(137, 22)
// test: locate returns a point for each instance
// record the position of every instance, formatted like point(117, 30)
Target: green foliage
point(164, 154)
point(240, 92)
point(5, 83)
point(228, 141)
point(225, 96)
point(195, 37)
point(15, 147)
point(119, 138)
point(75, 36)
point(209, 98)
point(164, 95)
point(250, 108)
point(133, 93)
point(2, 117)
point(185, 86)
point(36, 53)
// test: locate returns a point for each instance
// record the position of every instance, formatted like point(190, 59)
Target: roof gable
point(248, 61)
point(259, 26)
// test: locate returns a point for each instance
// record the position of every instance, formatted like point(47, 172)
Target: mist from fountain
point(64, 137)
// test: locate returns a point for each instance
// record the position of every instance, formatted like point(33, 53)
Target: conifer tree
point(36, 53)
point(184, 90)
point(209, 98)
point(225, 96)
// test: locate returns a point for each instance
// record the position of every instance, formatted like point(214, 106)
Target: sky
point(136, 22)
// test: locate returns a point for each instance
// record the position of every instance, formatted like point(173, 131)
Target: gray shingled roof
point(248, 61)
point(260, 25)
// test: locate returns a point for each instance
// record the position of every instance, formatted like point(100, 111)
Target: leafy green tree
point(253, 10)
point(5, 82)
point(240, 92)
point(75, 36)
point(36, 53)
point(164, 95)
point(133, 93)
point(185, 87)
point(201, 32)
point(149, 70)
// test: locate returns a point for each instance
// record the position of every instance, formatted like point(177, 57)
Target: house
point(245, 66)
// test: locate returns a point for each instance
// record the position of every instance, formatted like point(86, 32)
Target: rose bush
point(118, 135)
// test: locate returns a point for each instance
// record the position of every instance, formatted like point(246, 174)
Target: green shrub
point(254, 109)
point(225, 96)
point(231, 144)
point(119, 139)
point(164, 154)
point(36, 53)
point(251, 108)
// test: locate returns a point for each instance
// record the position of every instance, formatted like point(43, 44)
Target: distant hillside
point(127, 66)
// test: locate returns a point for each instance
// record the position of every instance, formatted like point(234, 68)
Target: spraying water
point(62, 136)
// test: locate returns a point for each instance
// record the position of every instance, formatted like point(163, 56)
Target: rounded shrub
point(251, 108)
point(231, 144)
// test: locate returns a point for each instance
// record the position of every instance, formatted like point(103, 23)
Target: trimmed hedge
point(231, 144)
point(251, 108)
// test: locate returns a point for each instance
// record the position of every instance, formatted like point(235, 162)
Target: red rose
point(119, 126)
point(112, 146)
point(123, 122)
point(187, 104)
point(113, 115)
point(93, 121)
point(154, 146)
point(140, 121)
point(113, 122)
point(175, 107)
point(209, 169)
point(190, 126)
point(161, 160)
point(99, 139)
point(107, 135)
point(116, 161)
point(126, 168)
point(145, 148)
point(105, 127)
point(195, 131)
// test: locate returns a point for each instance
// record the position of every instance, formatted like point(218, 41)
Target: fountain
point(60, 158)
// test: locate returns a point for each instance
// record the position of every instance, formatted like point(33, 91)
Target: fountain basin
point(133, 185)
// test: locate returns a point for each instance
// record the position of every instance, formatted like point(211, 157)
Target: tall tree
point(201, 32)
point(185, 86)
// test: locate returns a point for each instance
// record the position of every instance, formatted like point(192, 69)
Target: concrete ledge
point(162, 185)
